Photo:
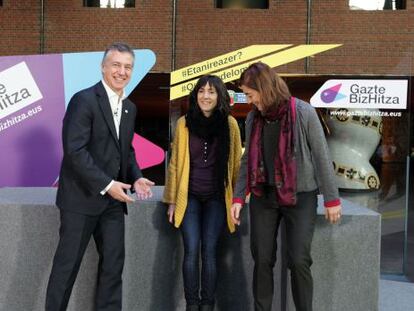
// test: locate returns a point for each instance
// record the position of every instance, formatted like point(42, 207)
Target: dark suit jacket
point(92, 153)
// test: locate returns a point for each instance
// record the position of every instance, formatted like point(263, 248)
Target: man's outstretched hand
point(142, 187)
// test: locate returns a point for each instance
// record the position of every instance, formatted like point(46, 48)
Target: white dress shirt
point(116, 106)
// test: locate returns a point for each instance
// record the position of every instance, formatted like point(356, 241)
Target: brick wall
point(70, 27)
point(374, 42)
point(19, 27)
point(204, 32)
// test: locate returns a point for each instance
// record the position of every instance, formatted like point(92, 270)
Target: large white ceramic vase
point(354, 138)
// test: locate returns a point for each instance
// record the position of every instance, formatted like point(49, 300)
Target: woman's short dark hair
point(223, 97)
point(271, 87)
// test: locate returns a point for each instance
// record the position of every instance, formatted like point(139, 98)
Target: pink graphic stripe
point(147, 153)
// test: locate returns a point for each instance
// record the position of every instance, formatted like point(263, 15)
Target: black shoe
point(206, 308)
point(192, 308)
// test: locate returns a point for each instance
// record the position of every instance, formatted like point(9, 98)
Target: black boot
point(192, 308)
point(206, 308)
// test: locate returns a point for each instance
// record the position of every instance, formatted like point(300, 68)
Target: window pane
point(375, 5)
point(110, 3)
point(242, 4)
point(390, 133)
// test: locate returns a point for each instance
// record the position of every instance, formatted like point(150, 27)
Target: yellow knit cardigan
point(176, 186)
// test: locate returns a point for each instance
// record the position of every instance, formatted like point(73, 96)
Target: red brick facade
point(375, 42)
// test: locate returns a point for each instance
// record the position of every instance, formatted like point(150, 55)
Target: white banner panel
point(369, 94)
point(18, 89)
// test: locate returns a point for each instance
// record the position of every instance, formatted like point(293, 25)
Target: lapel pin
point(126, 111)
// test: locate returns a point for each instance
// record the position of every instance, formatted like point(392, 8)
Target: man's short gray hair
point(120, 47)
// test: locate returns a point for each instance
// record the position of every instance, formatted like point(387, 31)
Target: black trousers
point(265, 217)
point(108, 231)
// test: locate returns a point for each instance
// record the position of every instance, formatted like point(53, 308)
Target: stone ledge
point(345, 269)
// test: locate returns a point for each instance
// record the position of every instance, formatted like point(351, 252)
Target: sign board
point(367, 94)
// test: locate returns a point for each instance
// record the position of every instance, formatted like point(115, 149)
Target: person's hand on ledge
point(142, 187)
point(333, 214)
point(117, 191)
point(170, 212)
point(235, 213)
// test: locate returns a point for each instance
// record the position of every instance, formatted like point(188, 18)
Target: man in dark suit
point(98, 167)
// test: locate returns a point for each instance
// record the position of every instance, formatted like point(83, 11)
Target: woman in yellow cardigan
point(202, 171)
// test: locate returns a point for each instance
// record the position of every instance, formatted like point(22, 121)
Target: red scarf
point(285, 162)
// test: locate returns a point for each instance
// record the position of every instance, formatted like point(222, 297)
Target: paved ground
point(396, 295)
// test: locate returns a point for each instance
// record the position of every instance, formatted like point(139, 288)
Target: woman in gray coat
point(285, 165)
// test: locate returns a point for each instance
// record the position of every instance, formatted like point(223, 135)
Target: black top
point(270, 141)
point(203, 155)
